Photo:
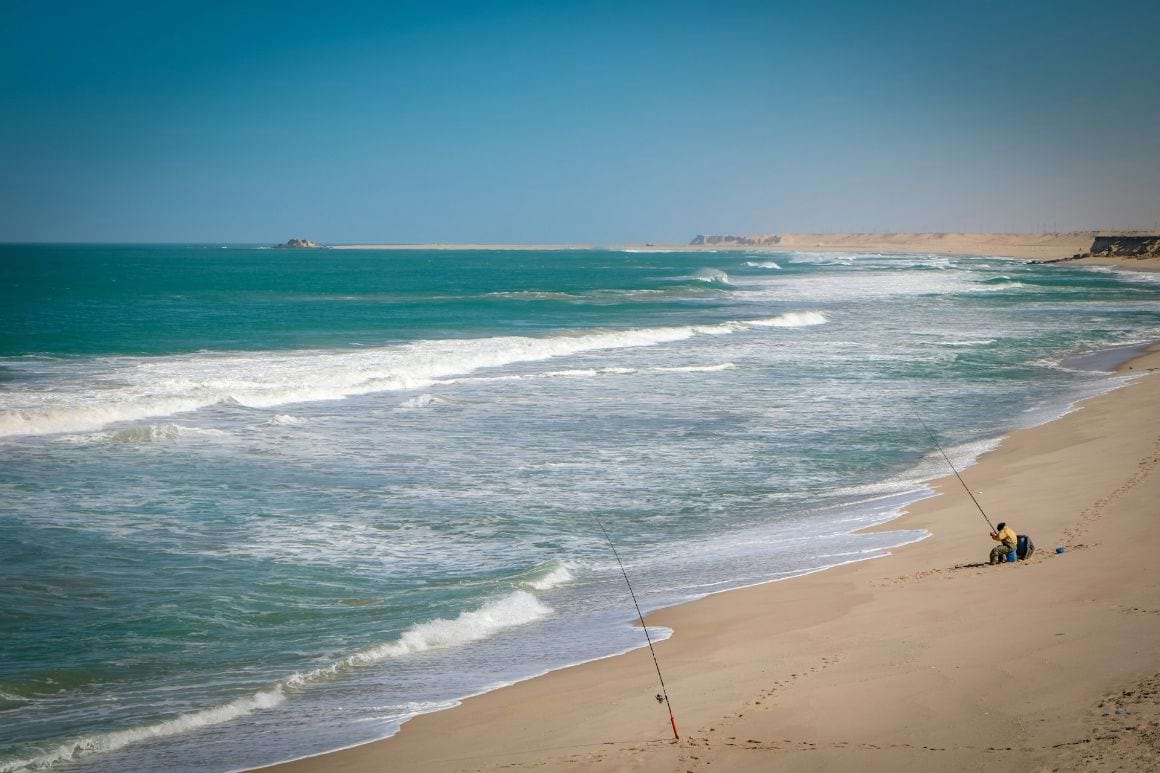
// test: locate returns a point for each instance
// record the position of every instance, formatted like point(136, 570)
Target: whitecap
point(967, 342)
point(792, 319)
point(147, 433)
point(696, 368)
point(119, 389)
point(86, 745)
point(518, 608)
point(557, 574)
point(285, 420)
point(421, 401)
point(711, 275)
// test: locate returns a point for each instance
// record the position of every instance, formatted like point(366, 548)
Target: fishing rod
point(956, 472)
point(660, 677)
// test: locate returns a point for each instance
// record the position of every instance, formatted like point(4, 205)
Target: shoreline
point(1014, 252)
point(1131, 264)
point(1011, 245)
point(492, 728)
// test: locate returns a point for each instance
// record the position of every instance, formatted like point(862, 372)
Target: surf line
point(664, 696)
point(956, 472)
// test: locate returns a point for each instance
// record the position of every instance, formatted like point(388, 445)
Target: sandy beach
point(379, 382)
point(1014, 245)
point(925, 658)
point(1134, 264)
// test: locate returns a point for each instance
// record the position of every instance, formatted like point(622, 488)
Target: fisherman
point(1007, 541)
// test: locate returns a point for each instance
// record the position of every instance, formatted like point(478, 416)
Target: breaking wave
point(996, 283)
point(930, 467)
point(534, 295)
point(118, 739)
point(421, 401)
point(793, 319)
point(150, 433)
point(592, 373)
point(712, 276)
point(130, 389)
point(762, 264)
point(696, 368)
point(285, 420)
point(967, 342)
point(518, 608)
point(553, 575)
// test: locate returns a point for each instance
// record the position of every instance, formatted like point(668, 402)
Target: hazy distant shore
point(1014, 245)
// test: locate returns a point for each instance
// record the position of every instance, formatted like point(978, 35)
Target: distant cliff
point(299, 244)
point(1127, 245)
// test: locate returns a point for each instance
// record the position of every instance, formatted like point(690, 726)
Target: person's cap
point(1002, 525)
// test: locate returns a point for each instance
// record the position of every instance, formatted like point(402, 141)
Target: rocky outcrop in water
point(299, 244)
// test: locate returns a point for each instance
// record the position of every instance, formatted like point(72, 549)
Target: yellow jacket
point(1007, 537)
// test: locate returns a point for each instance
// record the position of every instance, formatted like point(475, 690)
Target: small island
point(300, 244)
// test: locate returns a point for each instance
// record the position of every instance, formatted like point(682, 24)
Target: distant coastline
point(1013, 245)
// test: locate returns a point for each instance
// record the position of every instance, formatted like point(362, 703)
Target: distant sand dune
point(1014, 245)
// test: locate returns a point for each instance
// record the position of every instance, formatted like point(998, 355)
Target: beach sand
point(924, 659)
point(1134, 264)
point(1013, 245)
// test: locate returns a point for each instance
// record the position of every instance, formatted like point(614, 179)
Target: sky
point(533, 122)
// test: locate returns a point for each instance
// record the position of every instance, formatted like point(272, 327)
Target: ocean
point(259, 504)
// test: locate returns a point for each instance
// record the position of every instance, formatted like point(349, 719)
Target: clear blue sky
point(573, 121)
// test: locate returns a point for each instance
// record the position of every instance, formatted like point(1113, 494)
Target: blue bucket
point(1012, 557)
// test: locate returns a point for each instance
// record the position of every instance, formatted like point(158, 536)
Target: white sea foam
point(963, 455)
point(149, 433)
point(881, 489)
point(996, 285)
point(558, 575)
point(838, 286)
point(1130, 275)
point(967, 342)
point(421, 401)
point(762, 264)
point(85, 745)
point(792, 319)
point(595, 372)
point(712, 275)
point(708, 275)
point(534, 295)
point(285, 420)
point(128, 389)
point(695, 368)
point(930, 467)
point(875, 260)
point(518, 608)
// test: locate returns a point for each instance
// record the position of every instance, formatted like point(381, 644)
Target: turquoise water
point(259, 504)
